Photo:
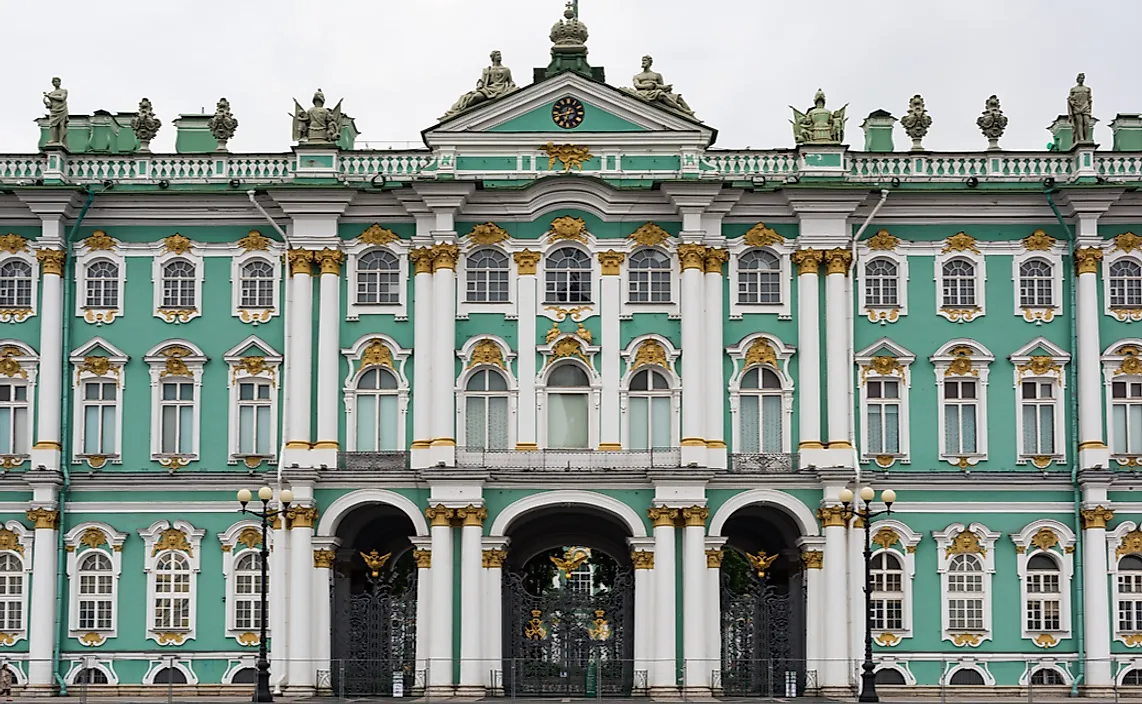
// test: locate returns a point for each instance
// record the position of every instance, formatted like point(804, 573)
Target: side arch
point(791, 505)
point(346, 504)
point(574, 497)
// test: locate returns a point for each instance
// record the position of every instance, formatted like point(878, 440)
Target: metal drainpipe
point(65, 434)
point(1080, 615)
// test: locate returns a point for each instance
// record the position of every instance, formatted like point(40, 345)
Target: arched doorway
point(568, 591)
point(763, 605)
point(374, 604)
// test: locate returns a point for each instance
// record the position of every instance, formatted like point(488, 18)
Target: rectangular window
point(376, 423)
point(1044, 604)
point(1130, 602)
point(12, 596)
point(95, 602)
point(13, 419)
point(172, 600)
point(1126, 417)
point(649, 422)
point(99, 404)
point(882, 413)
point(649, 286)
point(761, 419)
point(486, 421)
point(965, 605)
point(563, 286)
point(960, 407)
point(254, 418)
point(487, 286)
point(567, 419)
point(248, 605)
point(1038, 417)
point(760, 287)
point(177, 418)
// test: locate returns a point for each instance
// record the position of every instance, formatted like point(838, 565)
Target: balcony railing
point(764, 463)
point(566, 460)
point(373, 461)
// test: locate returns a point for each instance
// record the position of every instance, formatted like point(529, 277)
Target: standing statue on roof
point(818, 125)
point(56, 103)
point(495, 82)
point(1079, 103)
point(319, 124)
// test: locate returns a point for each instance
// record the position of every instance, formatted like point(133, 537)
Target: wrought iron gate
point(569, 642)
point(762, 641)
point(374, 637)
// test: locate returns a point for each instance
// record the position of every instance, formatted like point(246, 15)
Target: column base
point(664, 693)
point(439, 690)
point(837, 692)
point(470, 691)
point(305, 690)
point(695, 693)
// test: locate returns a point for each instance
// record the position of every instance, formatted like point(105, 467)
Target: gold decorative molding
point(172, 539)
point(377, 354)
point(1132, 640)
point(833, 516)
point(650, 352)
point(439, 515)
point(761, 562)
point(573, 558)
point(887, 640)
point(44, 518)
point(1126, 242)
point(535, 630)
point(716, 260)
point(761, 236)
point(813, 559)
point(961, 242)
point(93, 538)
point(957, 314)
point(1131, 544)
point(301, 516)
point(254, 365)
point(444, 256)
point(177, 244)
point(51, 260)
point(486, 351)
point(471, 515)
point(170, 638)
point(176, 315)
point(882, 365)
point(1045, 539)
point(9, 367)
point(99, 241)
point(423, 558)
point(526, 262)
point(838, 261)
point(1045, 640)
point(968, 639)
point(568, 228)
point(376, 235)
point(966, 543)
point(300, 262)
point(761, 352)
point(611, 262)
point(885, 538)
point(375, 561)
point(7, 639)
point(1087, 259)
point(324, 559)
point(1038, 241)
point(174, 365)
point(649, 235)
point(570, 155)
point(692, 256)
point(486, 234)
point(883, 241)
point(1096, 517)
point(248, 639)
point(10, 541)
point(961, 364)
point(1038, 365)
point(599, 628)
point(247, 315)
point(92, 639)
point(662, 516)
point(254, 241)
point(493, 559)
point(421, 258)
point(807, 261)
point(644, 559)
point(1044, 315)
point(330, 261)
point(13, 243)
point(714, 557)
point(250, 537)
point(1131, 364)
point(568, 347)
point(105, 316)
point(695, 516)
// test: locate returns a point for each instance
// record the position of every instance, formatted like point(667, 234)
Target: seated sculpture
point(649, 86)
point(495, 82)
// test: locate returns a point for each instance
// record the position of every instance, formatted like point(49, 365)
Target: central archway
point(568, 603)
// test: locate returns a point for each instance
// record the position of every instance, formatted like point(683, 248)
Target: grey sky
point(399, 64)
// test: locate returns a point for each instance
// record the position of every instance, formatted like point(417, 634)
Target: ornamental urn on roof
point(992, 122)
point(146, 125)
point(916, 121)
point(223, 124)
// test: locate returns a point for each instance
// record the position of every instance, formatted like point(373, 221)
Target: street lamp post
point(262, 690)
point(866, 514)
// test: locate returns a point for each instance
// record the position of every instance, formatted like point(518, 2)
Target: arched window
point(568, 414)
point(890, 675)
point(486, 411)
point(487, 271)
point(172, 592)
point(967, 676)
point(96, 593)
point(759, 277)
point(568, 276)
point(649, 277)
point(169, 675)
point(248, 591)
point(1036, 284)
point(887, 600)
point(762, 412)
point(247, 675)
point(1133, 678)
point(257, 284)
point(959, 284)
point(881, 284)
point(102, 285)
point(91, 675)
point(378, 278)
point(178, 284)
point(11, 593)
point(649, 413)
point(16, 284)
point(1047, 676)
point(1044, 594)
point(1125, 283)
point(965, 594)
point(377, 411)
point(1130, 594)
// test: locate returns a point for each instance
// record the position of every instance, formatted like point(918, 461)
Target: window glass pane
point(108, 440)
point(875, 429)
point(750, 424)
point(892, 428)
point(498, 422)
point(567, 421)
point(169, 429)
point(639, 423)
point(1047, 430)
point(1118, 420)
point(366, 423)
point(660, 422)
point(263, 446)
point(771, 423)
point(1134, 433)
point(246, 430)
point(186, 430)
point(475, 422)
point(388, 422)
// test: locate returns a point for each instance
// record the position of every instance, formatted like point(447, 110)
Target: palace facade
point(567, 401)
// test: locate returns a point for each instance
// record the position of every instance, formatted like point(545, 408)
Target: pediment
point(611, 117)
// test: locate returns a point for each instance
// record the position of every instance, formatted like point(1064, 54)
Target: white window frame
point(354, 250)
point(1118, 547)
point(904, 550)
point(961, 314)
point(163, 368)
point(235, 542)
point(670, 371)
point(82, 373)
point(871, 369)
point(738, 247)
point(26, 372)
point(269, 369)
point(1040, 314)
point(594, 391)
point(21, 546)
point(464, 308)
point(471, 366)
point(1028, 366)
point(586, 308)
point(1062, 552)
point(77, 543)
point(272, 255)
point(1111, 255)
point(628, 309)
point(882, 314)
point(16, 314)
point(355, 355)
point(158, 264)
point(739, 354)
point(1121, 361)
point(159, 539)
point(947, 363)
point(86, 256)
point(945, 539)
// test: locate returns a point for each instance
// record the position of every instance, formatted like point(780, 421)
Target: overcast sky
point(399, 64)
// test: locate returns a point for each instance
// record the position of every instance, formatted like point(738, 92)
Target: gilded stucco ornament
point(145, 124)
point(833, 516)
point(966, 543)
point(761, 562)
point(568, 228)
point(248, 639)
point(99, 241)
point(583, 334)
point(375, 562)
point(254, 241)
point(716, 260)
point(916, 122)
point(571, 156)
point(422, 558)
point(486, 234)
point(568, 347)
point(172, 539)
point(93, 538)
point(885, 538)
point(1038, 365)
point(644, 559)
point(318, 124)
point(527, 261)
point(1079, 103)
point(714, 557)
point(992, 122)
point(611, 262)
point(10, 541)
point(818, 125)
point(960, 242)
point(692, 256)
point(254, 366)
point(887, 639)
point(760, 352)
point(44, 518)
point(1126, 242)
point(9, 367)
point(838, 261)
point(177, 244)
point(807, 261)
point(377, 354)
point(649, 235)
point(1131, 544)
point(495, 82)
point(761, 236)
point(486, 351)
point(648, 85)
point(882, 365)
point(250, 537)
point(13, 243)
point(650, 352)
point(421, 258)
point(223, 124)
point(1087, 259)
point(493, 559)
point(1045, 640)
point(883, 241)
point(376, 235)
point(444, 256)
point(968, 639)
point(1038, 241)
point(329, 261)
point(174, 365)
point(1045, 539)
point(51, 260)
point(813, 559)
point(571, 560)
point(56, 103)
point(662, 515)
point(1130, 365)
point(961, 364)
point(300, 261)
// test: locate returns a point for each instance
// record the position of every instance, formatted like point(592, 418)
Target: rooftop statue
point(916, 121)
point(56, 103)
point(1078, 109)
point(819, 125)
point(495, 82)
point(145, 124)
point(223, 124)
point(317, 125)
point(992, 122)
point(649, 86)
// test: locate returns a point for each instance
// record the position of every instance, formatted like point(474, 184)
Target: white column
point(837, 359)
point(835, 672)
point(42, 629)
point(444, 352)
point(299, 356)
point(50, 377)
point(328, 350)
point(526, 262)
point(1096, 597)
point(440, 581)
point(714, 554)
point(642, 558)
point(472, 624)
point(664, 672)
point(812, 559)
point(302, 665)
point(279, 606)
point(422, 554)
point(694, 406)
point(324, 558)
point(422, 336)
point(694, 596)
point(715, 354)
point(492, 559)
point(808, 348)
point(1088, 349)
point(610, 430)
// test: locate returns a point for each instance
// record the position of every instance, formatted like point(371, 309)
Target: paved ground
point(553, 700)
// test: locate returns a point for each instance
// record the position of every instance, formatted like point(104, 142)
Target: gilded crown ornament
point(254, 241)
point(377, 235)
point(487, 234)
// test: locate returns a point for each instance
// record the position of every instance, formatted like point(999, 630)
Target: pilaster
point(439, 661)
point(495, 552)
point(697, 668)
point(423, 339)
point(324, 559)
point(662, 677)
point(299, 357)
point(642, 557)
point(610, 429)
point(444, 255)
point(526, 263)
point(1096, 512)
point(300, 520)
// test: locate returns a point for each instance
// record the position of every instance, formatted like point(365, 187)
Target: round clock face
point(567, 112)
